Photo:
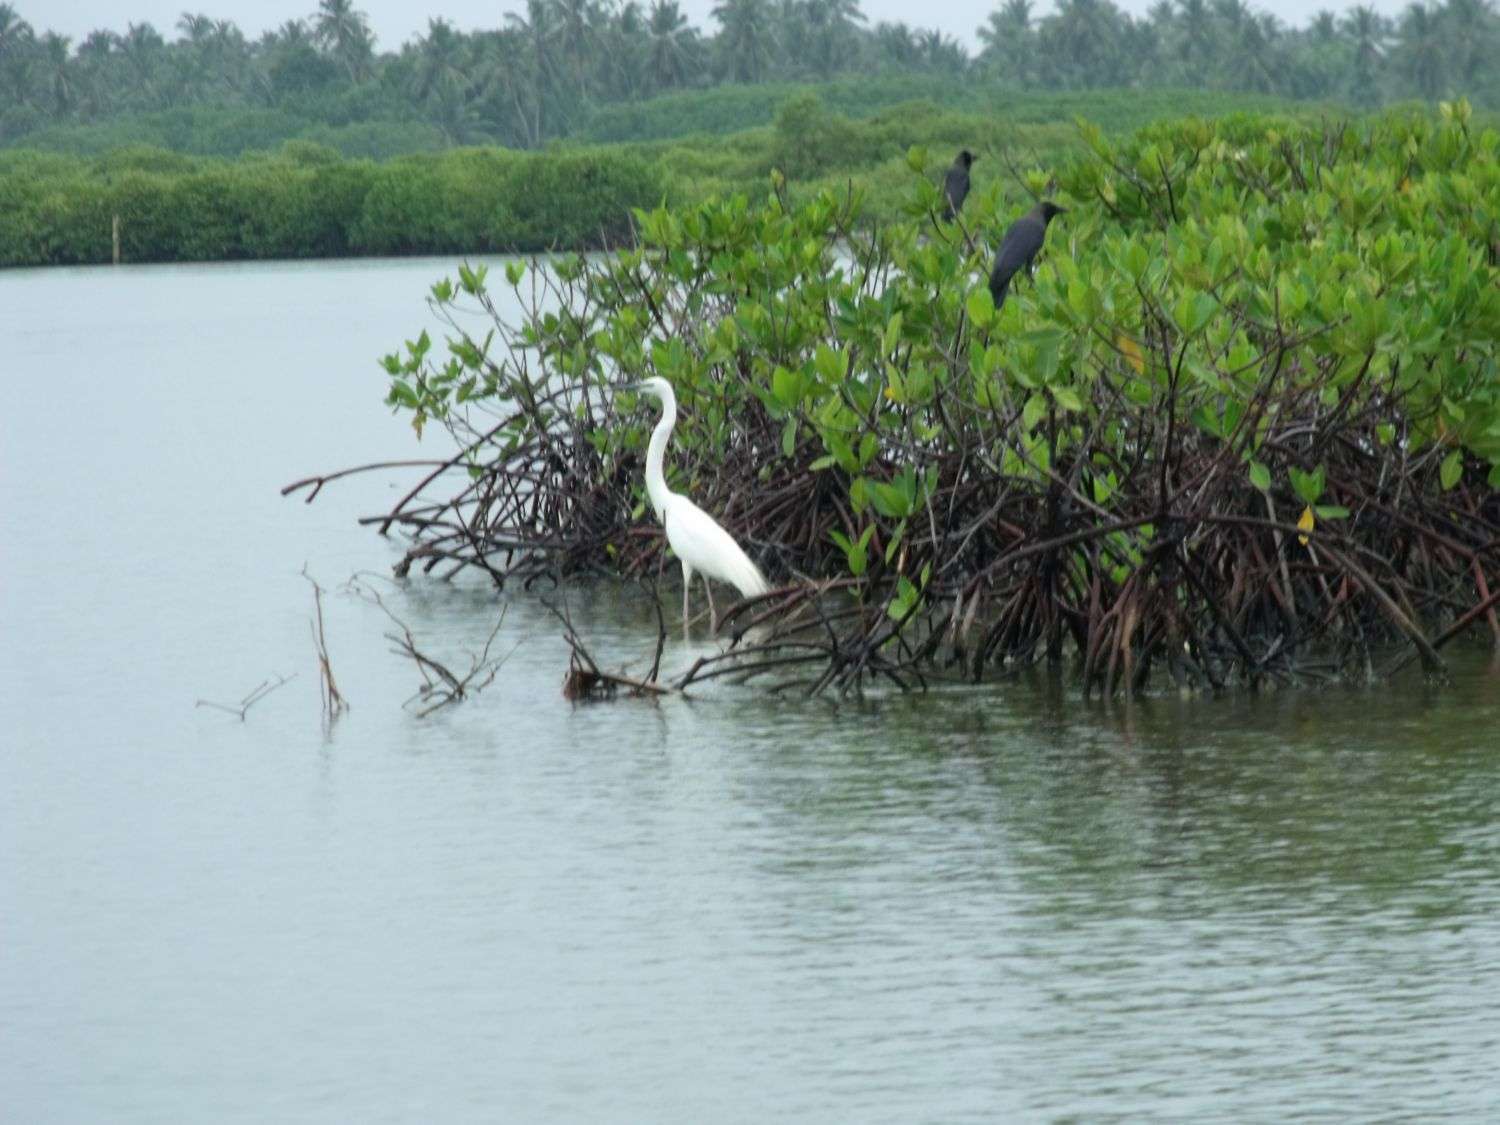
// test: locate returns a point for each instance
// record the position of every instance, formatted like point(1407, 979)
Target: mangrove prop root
point(1008, 566)
point(1016, 568)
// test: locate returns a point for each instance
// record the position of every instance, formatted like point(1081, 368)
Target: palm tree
point(1363, 27)
point(1009, 42)
point(508, 87)
point(143, 53)
point(93, 65)
point(439, 60)
point(791, 38)
point(191, 53)
point(451, 110)
point(1420, 54)
point(1080, 42)
point(231, 57)
point(539, 30)
point(622, 51)
point(1249, 58)
point(1471, 26)
point(577, 31)
point(1152, 40)
point(940, 53)
point(832, 25)
point(345, 32)
point(896, 46)
point(668, 38)
point(13, 30)
point(1198, 46)
point(57, 85)
point(292, 33)
point(1232, 13)
point(744, 38)
point(16, 44)
point(196, 27)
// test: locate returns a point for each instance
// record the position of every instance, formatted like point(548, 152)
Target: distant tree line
point(554, 64)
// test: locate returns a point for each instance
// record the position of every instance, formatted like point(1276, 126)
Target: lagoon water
point(992, 904)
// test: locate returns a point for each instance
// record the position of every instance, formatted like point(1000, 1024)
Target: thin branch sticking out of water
point(440, 684)
point(801, 630)
point(586, 680)
point(263, 689)
point(334, 703)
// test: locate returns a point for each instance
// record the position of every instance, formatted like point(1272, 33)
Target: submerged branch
point(251, 698)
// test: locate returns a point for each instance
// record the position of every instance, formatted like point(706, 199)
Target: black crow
point(956, 185)
point(1020, 247)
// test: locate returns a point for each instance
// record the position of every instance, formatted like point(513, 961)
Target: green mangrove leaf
point(1451, 469)
point(980, 307)
point(1307, 486)
point(890, 548)
point(1067, 398)
point(1193, 311)
point(1034, 411)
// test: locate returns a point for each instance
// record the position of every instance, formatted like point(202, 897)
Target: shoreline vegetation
point(1241, 428)
point(201, 142)
point(305, 200)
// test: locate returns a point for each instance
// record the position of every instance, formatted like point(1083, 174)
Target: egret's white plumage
point(702, 546)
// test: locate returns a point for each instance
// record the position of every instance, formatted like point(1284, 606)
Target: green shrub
point(379, 140)
point(809, 140)
point(574, 199)
point(404, 211)
point(1245, 413)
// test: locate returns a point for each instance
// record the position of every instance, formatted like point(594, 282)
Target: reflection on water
point(976, 904)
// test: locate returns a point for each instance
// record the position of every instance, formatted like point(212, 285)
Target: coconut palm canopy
point(546, 68)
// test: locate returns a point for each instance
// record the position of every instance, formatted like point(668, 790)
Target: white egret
point(701, 545)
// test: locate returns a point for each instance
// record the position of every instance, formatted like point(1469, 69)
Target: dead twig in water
point(586, 680)
point(263, 689)
point(334, 703)
point(440, 684)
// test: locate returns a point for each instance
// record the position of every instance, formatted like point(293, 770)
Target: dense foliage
point(1248, 411)
point(578, 68)
point(304, 200)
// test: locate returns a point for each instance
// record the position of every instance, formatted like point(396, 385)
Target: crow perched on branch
point(956, 184)
point(1020, 247)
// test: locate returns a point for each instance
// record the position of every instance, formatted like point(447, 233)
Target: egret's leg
point(713, 614)
point(687, 585)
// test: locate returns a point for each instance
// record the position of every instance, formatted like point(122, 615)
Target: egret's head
point(966, 158)
point(1051, 210)
point(655, 386)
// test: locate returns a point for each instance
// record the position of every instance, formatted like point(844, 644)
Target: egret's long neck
point(656, 481)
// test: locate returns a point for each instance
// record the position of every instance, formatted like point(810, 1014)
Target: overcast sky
point(396, 21)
